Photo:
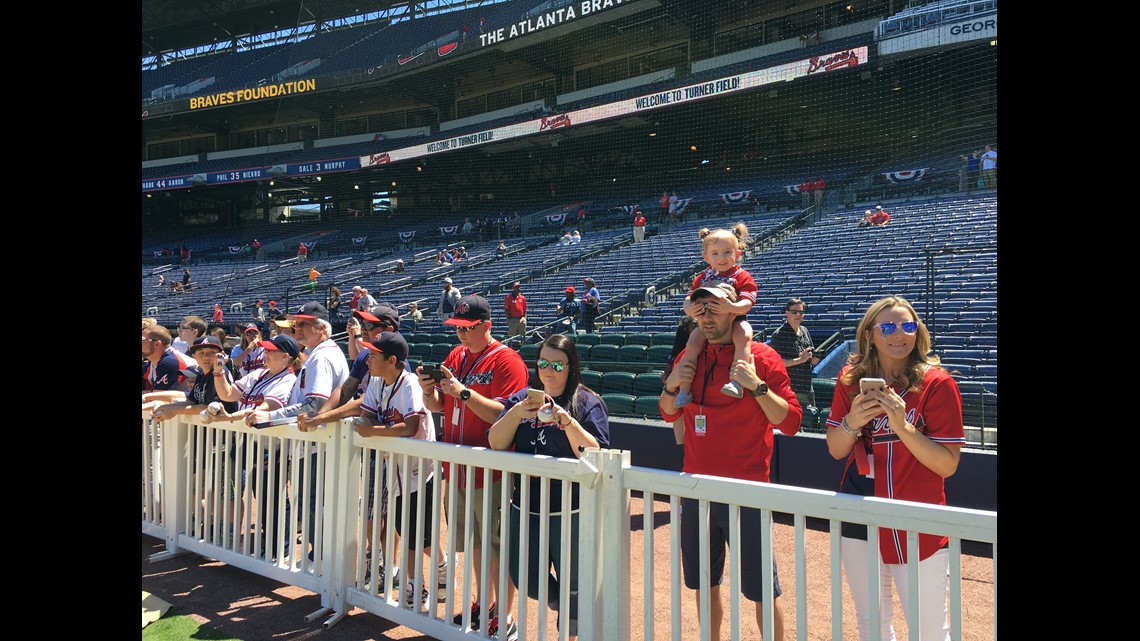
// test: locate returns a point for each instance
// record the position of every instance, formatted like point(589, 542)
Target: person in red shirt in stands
point(875, 217)
point(514, 304)
point(638, 226)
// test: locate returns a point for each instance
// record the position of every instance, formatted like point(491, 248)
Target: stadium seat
point(659, 355)
point(529, 353)
point(619, 404)
point(604, 357)
point(646, 407)
point(639, 338)
point(632, 354)
point(611, 339)
point(663, 338)
point(647, 383)
point(617, 382)
point(419, 350)
point(420, 337)
point(824, 389)
point(439, 351)
point(443, 337)
point(592, 379)
point(587, 339)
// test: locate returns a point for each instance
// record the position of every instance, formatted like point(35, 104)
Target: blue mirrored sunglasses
point(557, 365)
point(908, 327)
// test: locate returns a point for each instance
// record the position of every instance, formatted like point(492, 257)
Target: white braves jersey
point(324, 371)
point(392, 404)
point(259, 386)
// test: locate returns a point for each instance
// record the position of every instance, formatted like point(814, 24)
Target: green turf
point(182, 628)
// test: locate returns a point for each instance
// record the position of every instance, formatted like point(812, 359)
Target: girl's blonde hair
point(738, 234)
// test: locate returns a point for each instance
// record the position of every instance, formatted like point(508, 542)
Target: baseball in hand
point(214, 408)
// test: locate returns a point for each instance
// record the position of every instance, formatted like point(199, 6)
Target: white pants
point(638, 234)
point(933, 590)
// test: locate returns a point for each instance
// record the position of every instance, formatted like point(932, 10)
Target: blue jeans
point(539, 562)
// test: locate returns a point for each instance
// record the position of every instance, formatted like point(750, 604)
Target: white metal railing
point(241, 495)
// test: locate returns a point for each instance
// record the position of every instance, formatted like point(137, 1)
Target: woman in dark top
point(574, 417)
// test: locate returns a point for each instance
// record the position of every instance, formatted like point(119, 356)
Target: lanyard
point(391, 395)
point(708, 373)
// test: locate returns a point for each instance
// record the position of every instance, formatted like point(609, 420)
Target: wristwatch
point(761, 389)
point(465, 394)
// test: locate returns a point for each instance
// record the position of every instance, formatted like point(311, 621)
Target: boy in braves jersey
point(393, 406)
point(163, 369)
point(479, 374)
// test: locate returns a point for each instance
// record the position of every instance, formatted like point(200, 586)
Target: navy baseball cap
point(380, 313)
point(471, 310)
point(389, 344)
point(312, 310)
point(204, 341)
point(282, 343)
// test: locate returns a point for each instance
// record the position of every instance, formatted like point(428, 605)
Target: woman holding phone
point(561, 420)
point(897, 418)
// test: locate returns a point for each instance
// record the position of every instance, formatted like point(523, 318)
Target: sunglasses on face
point(909, 327)
point(796, 311)
point(464, 330)
point(371, 326)
point(557, 365)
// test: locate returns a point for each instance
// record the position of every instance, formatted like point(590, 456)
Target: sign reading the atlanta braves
point(548, 19)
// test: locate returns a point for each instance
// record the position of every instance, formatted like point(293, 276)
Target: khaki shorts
point(459, 519)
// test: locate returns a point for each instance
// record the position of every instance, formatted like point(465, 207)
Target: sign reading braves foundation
point(254, 93)
point(548, 19)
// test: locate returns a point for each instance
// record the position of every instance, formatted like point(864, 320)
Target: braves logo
point(462, 308)
point(554, 122)
point(833, 62)
point(379, 159)
point(482, 378)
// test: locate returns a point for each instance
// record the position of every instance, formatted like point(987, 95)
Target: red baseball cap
point(570, 289)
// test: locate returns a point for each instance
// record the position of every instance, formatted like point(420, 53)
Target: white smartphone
point(867, 384)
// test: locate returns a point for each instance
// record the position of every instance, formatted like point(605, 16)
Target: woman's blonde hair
point(738, 234)
point(864, 360)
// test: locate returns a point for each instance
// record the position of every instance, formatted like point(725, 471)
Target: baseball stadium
point(399, 176)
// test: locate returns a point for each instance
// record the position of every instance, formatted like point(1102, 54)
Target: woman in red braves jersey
point(901, 442)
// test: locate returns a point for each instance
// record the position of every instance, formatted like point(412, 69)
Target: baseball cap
point(867, 212)
point(273, 302)
point(204, 341)
point(878, 206)
point(570, 289)
point(588, 279)
point(257, 302)
point(251, 327)
point(471, 310)
point(380, 313)
point(719, 290)
point(282, 343)
point(389, 344)
point(312, 310)
point(516, 284)
point(447, 280)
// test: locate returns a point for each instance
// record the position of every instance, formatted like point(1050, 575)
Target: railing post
point(342, 486)
point(603, 586)
point(175, 500)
